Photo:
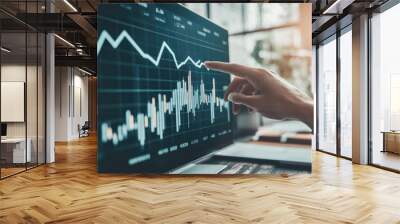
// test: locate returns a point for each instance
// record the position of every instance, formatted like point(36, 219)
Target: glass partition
point(22, 88)
point(13, 108)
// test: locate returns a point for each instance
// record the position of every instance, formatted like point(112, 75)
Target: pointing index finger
point(251, 74)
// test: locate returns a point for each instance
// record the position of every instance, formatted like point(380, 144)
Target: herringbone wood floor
point(70, 191)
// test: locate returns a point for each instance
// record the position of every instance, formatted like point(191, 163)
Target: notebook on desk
point(282, 153)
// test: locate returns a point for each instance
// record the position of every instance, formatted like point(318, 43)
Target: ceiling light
point(79, 51)
point(5, 49)
point(84, 71)
point(65, 41)
point(70, 5)
point(337, 7)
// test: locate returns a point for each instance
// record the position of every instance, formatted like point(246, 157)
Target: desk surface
point(390, 132)
point(13, 140)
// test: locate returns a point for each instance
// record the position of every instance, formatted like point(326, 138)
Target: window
point(385, 89)
point(200, 9)
point(280, 42)
point(327, 96)
point(346, 93)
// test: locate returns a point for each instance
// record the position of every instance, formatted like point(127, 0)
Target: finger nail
point(230, 97)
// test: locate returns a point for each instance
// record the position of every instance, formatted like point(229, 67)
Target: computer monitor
point(3, 129)
point(159, 106)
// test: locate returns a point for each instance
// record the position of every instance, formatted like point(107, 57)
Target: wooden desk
point(391, 141)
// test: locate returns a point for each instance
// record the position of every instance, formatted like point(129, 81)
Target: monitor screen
point(159, 107)
point(3, 129)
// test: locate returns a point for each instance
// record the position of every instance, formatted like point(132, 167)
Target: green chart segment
point(159, 106)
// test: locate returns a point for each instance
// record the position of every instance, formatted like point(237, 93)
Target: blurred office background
point(272, 36)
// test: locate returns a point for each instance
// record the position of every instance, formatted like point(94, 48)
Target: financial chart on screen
point(158, 105)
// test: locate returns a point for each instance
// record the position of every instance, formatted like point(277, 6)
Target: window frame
point(335, 36)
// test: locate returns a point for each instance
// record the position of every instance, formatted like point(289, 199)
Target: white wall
point(10, 73)
point(62, 82)
point(71, 94)
point(80, 112)
point(16, 73)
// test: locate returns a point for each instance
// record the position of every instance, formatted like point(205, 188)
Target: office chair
point(84, 130)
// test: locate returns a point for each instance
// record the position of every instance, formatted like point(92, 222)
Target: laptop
point(160, 110)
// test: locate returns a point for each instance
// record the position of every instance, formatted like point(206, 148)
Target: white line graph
point(185, 96)
point(105, 36)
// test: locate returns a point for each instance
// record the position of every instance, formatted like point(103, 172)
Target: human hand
point(264, 92)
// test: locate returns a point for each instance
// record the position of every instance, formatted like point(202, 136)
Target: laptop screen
point(159, 107)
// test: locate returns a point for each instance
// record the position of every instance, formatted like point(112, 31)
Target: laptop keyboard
point(234, 167)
